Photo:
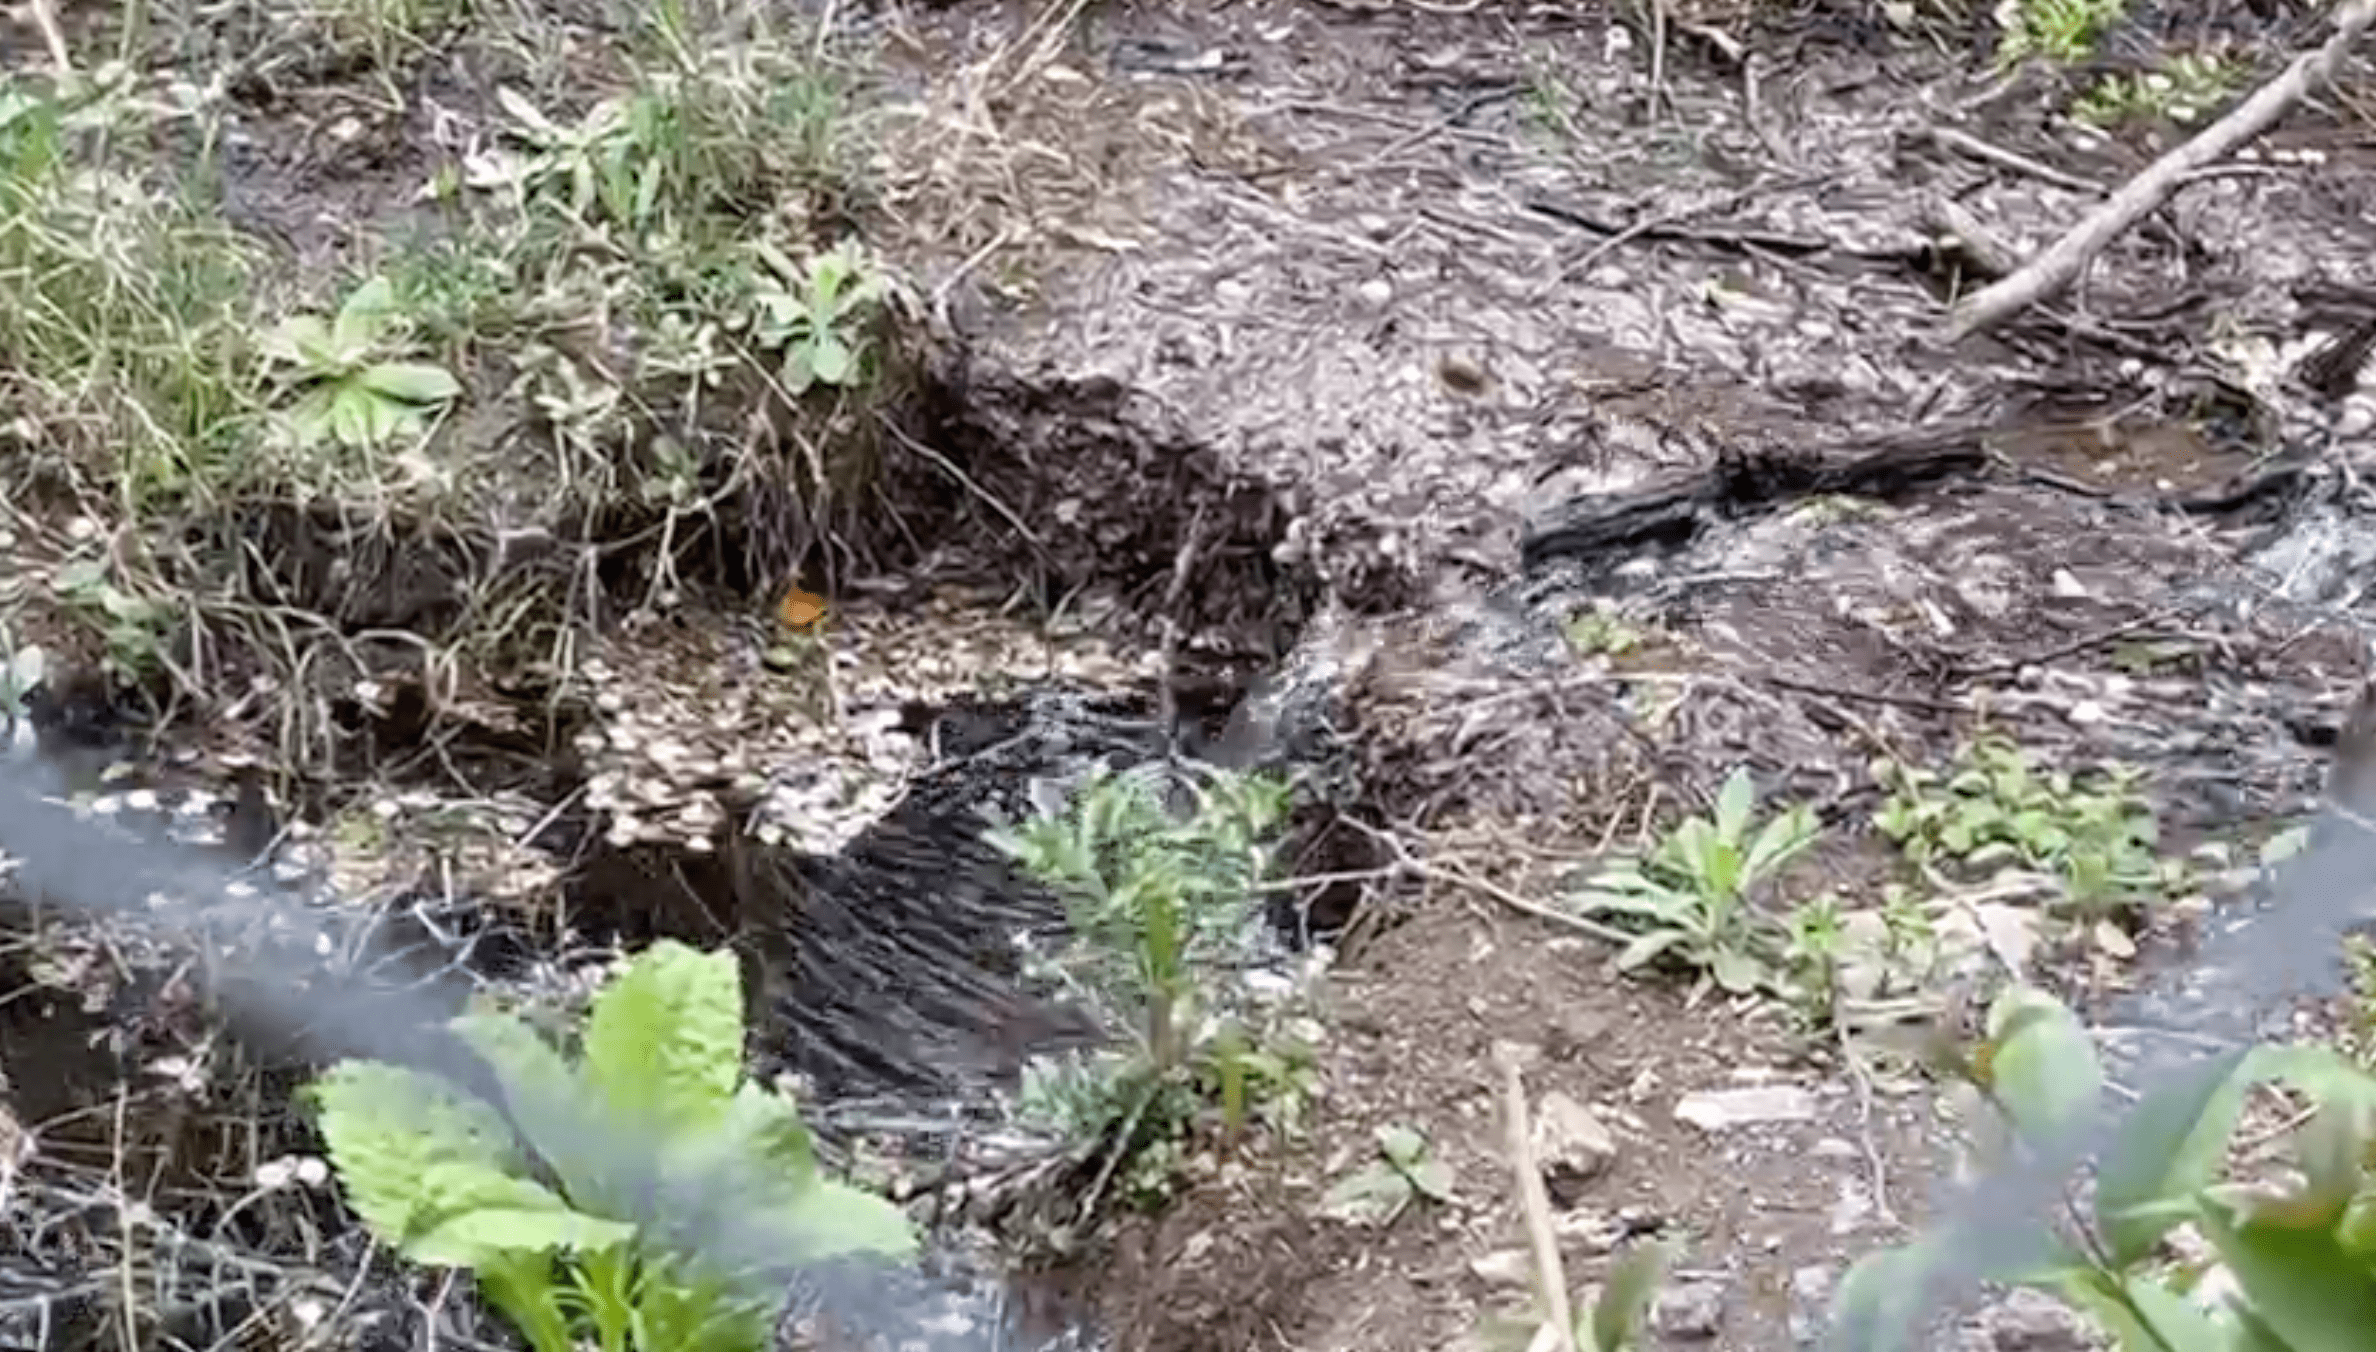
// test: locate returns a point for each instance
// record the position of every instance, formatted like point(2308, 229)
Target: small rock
point(1689, 1310)
point(1572, 1146)
point(1508, 1267)
point(1720, 1109)
point(1810, 1304)
point(2032, 1321)
point(1377, 293)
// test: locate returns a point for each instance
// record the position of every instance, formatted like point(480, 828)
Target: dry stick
point(1183, 563)
point(1549, 1273)
point(1948, 138)
point(46, 19)
point(2054, 269)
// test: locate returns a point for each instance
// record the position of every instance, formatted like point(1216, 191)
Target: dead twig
point(1948, 138)
point(1549, 1273)
point(1183, 563)
point(1404, 857)
point(2051, 271)
point(45, 18)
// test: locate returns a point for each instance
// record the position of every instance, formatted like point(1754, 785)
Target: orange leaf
point(800, 611)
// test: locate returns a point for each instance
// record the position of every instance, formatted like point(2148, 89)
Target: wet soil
point(1406, 331)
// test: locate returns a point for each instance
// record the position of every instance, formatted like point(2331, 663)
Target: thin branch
point(2051, 271)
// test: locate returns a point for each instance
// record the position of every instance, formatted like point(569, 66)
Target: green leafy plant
point(348, 392)
point(1162, 912)
point(133, 627)
point(444, 1178)
point(1378, 1192)
point(2187, 85)
point(1601, 631)
point(815, 315)
point(1694, 897)
point(2096, 833)
point(2300, 1250)
point(2059, 30)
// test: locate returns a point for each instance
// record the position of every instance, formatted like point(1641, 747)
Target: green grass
point(635, 311)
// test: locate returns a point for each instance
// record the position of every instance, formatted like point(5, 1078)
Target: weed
point(2059, 30)
point(1406, 1168)
point(2096, 833)
point(2188, 85)
point(1601, 631)
point(815, 315)
point(125, 339)
point(347, 392)
point(1694, 894)
point(444, 1179)
point(2300, 1252)
point(1161, 910)
point(134, 628)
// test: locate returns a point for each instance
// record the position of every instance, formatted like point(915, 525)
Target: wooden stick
point(2053, 270)
point(45, 18)
point(1550, 1274)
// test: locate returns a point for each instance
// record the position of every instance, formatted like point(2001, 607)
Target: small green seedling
point(2096, 832)
point(2059, 30)
point(1692, 897)
point(349, 394)
point(133, 627)
point(1601, 631)
point(1378, 1192)
point(815, 315)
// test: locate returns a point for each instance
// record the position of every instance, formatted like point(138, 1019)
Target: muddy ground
point(1399, 334)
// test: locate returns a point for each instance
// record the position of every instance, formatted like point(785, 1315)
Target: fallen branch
point(2054, 269)
point(1550, 1274)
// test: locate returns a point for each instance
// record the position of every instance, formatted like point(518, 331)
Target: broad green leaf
point(2043, 1065)
point(832, 1220)
point(1737, 971)
point(470, 1239)
point(2301, 1283)
point(769, 1126)
point(1626, 1297)
point(2323, 1073)
point(831, 358)
point(362, 319)
point(537, 1079)
point(1882, 1302)
point(311, 420)
point(411, 382)
point(302, 340)
point(1780, 841)
point(2329, 1149)
point(1433, 1179)
point(355, 415)
point(664, 1041)
point(2171, 1322)
point(2169, 1148)
point(1372, 1195)
point(1401, 1144)
point(1647, 948)
point(388, 1129)
point(1733, 804)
